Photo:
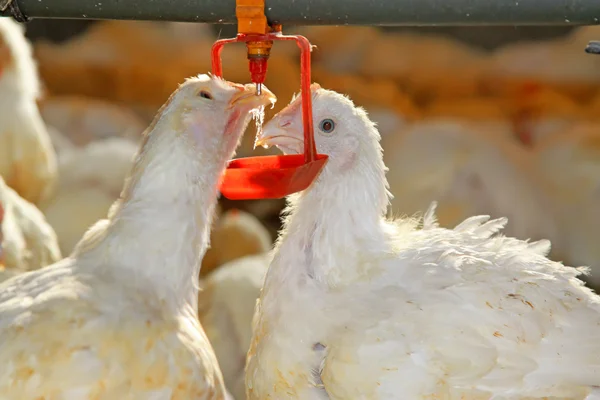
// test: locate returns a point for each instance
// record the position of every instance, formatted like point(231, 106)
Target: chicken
point(91, 179)
point(4, 272)
point(27, 240)
point(226, 307)
point(117, 319)
point(83, 120)
point(74, 210)
point(469, 171)
point(570, 164)
point(27, 158)
point(235, 235)
point(357, 306)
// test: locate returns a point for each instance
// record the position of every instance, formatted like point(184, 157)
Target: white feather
point(411, 313)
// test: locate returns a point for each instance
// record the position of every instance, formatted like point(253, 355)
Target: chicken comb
point(269, 177)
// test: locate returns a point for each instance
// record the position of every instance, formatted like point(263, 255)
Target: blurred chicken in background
point(235, 234)
point(91, 178)
point(27, 241)
point(485, 115)
point(226, 308)
point(468, 173)
point(438, 66)
point(83, 120)
point(570, 164)
point(559, 63)
point(124, 61)
point(27, 159)
point(540, 112)
point(338, 50)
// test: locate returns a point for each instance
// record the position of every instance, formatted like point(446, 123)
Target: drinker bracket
point(269, 177)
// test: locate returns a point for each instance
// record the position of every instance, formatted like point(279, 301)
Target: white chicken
point(26, 238)
point(27, 159)
point(226, 306)
point(358, 307)
point(118, 318)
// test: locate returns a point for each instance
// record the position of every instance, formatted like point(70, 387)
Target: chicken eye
point(327, 125)
point(204, 94)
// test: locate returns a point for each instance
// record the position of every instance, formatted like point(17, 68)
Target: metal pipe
point(327, 12)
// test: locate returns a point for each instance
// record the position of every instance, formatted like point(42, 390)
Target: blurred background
point(502, 121)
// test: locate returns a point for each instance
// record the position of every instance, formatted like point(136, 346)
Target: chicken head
point(342, 130)
point(210, 104)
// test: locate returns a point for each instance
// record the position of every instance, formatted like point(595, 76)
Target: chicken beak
point(247, 96)
point(281, 134)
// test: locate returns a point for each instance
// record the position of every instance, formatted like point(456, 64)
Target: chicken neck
point(158, 230)
point(332, 223)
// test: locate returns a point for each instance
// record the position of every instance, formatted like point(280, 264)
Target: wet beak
point(247, 96)
point(283, 135)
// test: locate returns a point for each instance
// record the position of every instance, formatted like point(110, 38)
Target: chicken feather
point(27, 158)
